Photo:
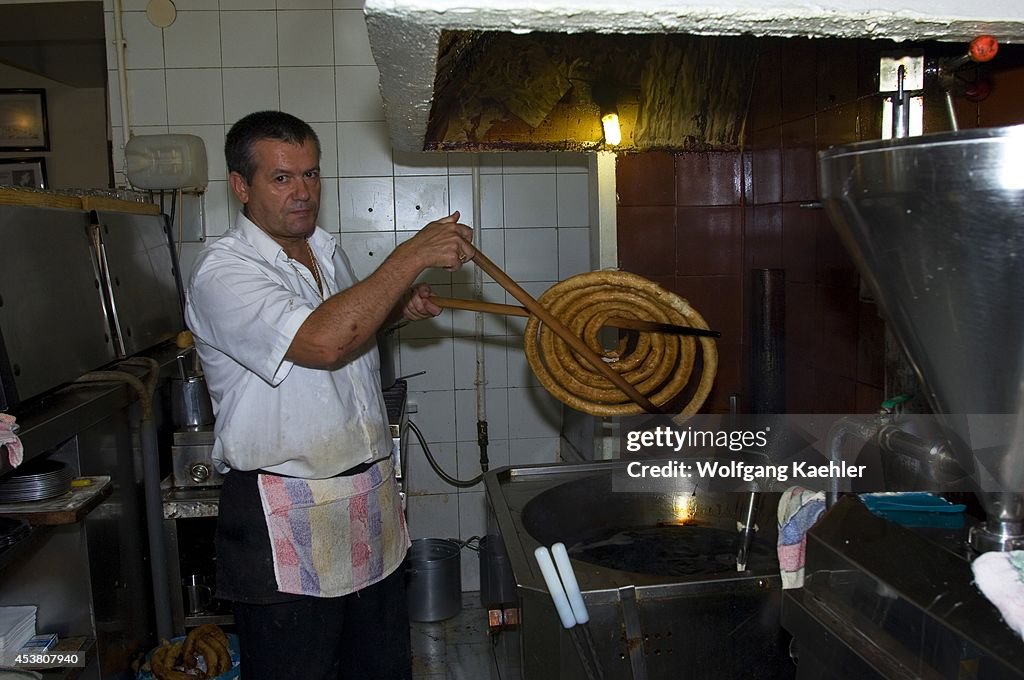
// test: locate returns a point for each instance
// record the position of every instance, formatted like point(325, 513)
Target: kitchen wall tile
point(833, 264)
point(364, 150)
point(840, 317)
point(719, 300)
point(366, 250)
point(327, 132)
point(534, 451)
point(573, 252)
point(801, 388)
point(432, 516)
point(472, 522)
point(799, 238)
point(763, 242)
point(803, 325)
point(799, 78)
point(870, 345)
point(868, 55)
point(304, 4)
point(464, 322)
point(728, 379)
point(367, 204)
point(528, 161)
point(836, 60)
point(147, 104)
point(708, 178)
point(308, 92)
point(837, 125)
point(249, 39)
point(461, 163)
point(869, 119)
point(193, 41)
point(233, 5)
point(249, 89)
point(799, 164)
point(532, 412)
point(329, 217)
point(573, 191)
point(567, 161)
point(867, 399)
point(186, 5)
point(460, 188)
point(530, 200)
point(709, 240)
point(495, 362)
point(647, 239)
point(1005, 106)
point(215, 208)
point(645, 179)
point(351, 41)
point(497, 421)
point(766, 182)
point(420, 163)
point(434, 356)
point(213, 141)
point(305, 38)
point(531, 254)
point(421, 476)
point(419, 200)
point(348, 4)
point(836, 393)
point(358, 93)
point(519, 372)
point(144, 40)
point(766, 99)
point(195, 97)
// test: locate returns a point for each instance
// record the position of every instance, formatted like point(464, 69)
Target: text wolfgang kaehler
point(732, 469)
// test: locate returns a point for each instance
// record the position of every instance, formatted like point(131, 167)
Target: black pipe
point(768, 341)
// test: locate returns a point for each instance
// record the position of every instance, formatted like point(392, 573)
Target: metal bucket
point(434, 579)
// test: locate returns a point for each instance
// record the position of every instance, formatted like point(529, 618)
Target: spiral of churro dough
point(659, 365)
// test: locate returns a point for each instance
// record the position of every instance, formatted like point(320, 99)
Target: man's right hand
point(444, 243)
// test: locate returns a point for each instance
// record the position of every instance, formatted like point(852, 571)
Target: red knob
point(983, 48)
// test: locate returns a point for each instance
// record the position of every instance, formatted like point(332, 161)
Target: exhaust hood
point(539, 75)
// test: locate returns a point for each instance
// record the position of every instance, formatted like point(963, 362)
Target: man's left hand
point(419, 306)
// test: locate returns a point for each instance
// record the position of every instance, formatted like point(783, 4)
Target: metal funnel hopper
point(936, 227)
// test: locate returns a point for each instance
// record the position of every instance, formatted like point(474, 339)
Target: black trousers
point(362, 636)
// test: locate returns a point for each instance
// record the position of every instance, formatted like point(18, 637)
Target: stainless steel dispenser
point(936, 227)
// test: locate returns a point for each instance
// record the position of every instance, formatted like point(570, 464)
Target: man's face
point(284, 196)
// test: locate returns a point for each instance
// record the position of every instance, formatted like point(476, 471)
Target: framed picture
point(24, 173)
point(23, 125)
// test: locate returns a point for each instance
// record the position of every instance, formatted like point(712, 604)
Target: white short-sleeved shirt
point(245, 303)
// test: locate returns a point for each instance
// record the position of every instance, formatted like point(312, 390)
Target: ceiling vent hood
point(517, 75)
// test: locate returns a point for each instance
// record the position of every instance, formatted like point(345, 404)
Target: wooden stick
point(611, 322)
point(561, 331)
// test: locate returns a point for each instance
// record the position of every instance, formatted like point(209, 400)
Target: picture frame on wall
point(23, 122)
point(23, 173)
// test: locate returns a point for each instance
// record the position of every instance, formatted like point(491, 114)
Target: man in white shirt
point(311, 533)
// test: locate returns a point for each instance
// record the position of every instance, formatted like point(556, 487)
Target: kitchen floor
point(460, 648)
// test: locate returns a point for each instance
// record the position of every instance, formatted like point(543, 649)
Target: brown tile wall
point(698, 223)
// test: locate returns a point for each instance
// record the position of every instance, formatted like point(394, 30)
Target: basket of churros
point(206, 653)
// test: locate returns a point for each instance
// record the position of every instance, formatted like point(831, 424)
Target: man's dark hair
point(278, 125)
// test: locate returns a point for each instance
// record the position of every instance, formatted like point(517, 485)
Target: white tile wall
point(312, 57)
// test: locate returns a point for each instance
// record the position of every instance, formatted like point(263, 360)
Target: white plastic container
point(166, 162)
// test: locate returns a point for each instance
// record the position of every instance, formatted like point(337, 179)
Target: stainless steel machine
point(657, 571)
point(936, 226)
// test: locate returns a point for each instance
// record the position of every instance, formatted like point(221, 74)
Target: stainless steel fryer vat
point(652, 614)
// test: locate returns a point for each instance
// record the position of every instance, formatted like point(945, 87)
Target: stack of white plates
point(17, 626)
point(36, 482)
